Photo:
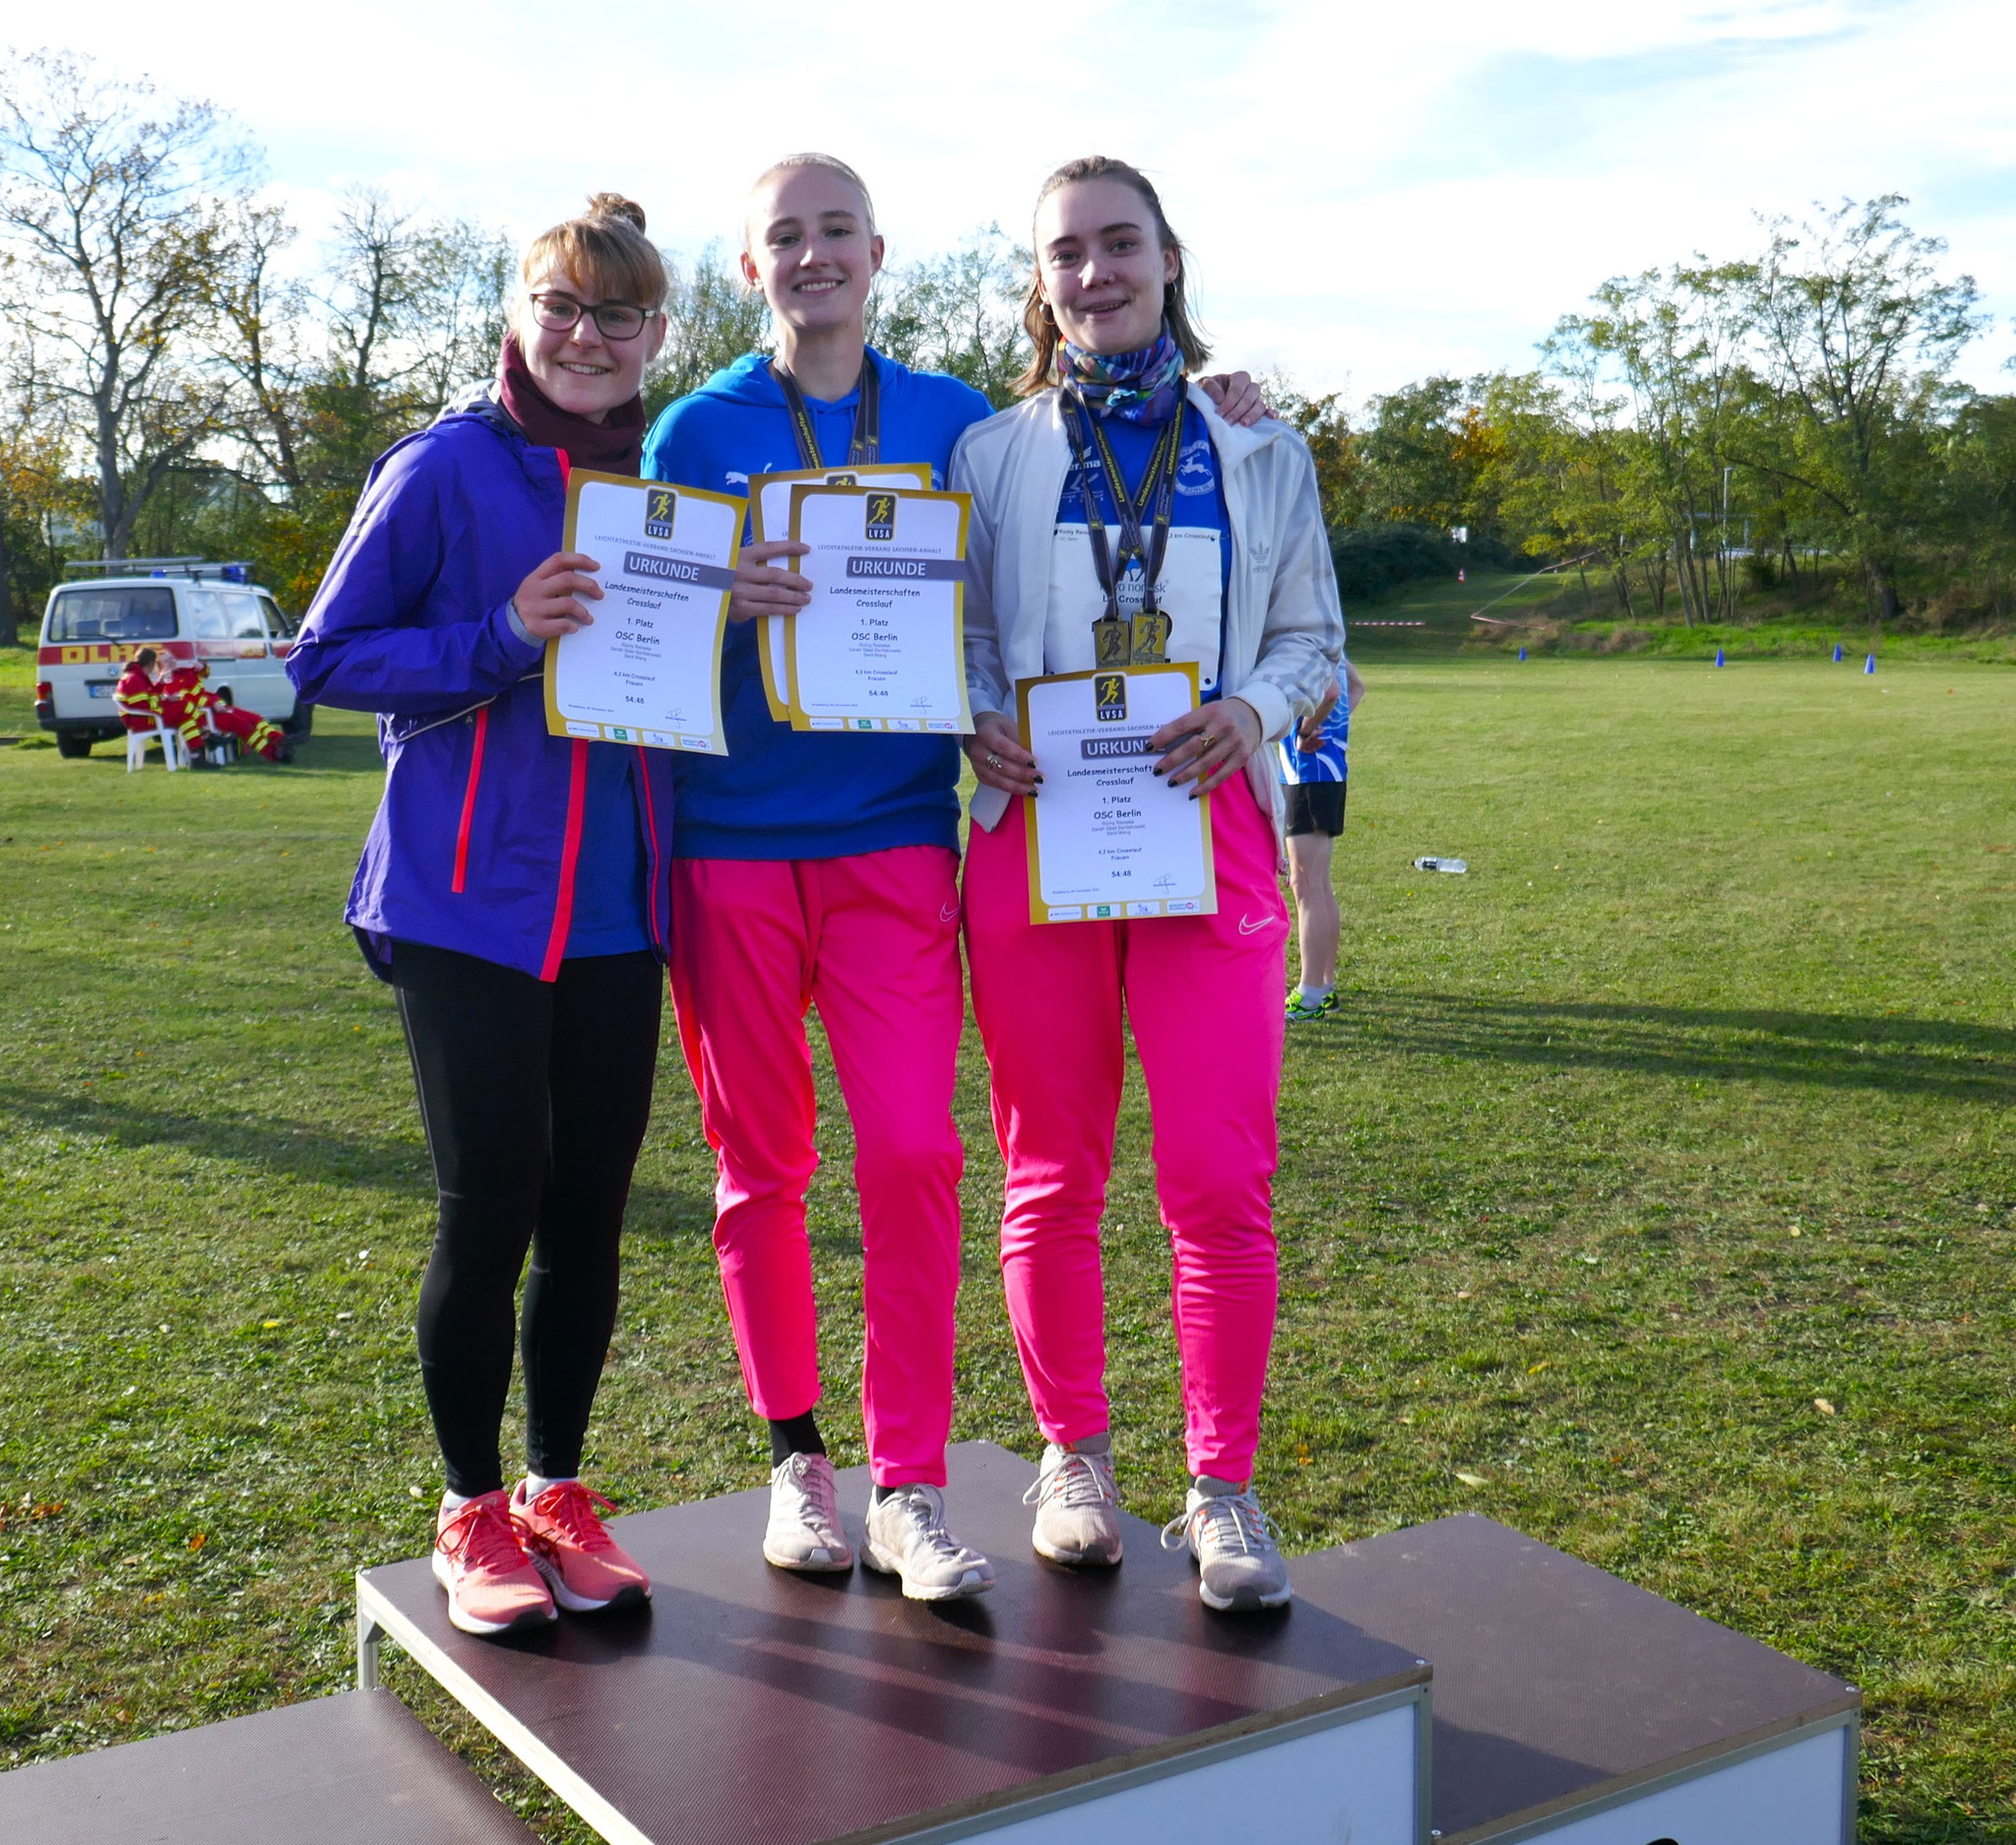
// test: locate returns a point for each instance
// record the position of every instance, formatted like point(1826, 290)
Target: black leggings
point(534, 1097)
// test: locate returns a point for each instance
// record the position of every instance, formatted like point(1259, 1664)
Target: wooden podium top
point(749, 1704)
point(1556, 1682)
point(351, 1770)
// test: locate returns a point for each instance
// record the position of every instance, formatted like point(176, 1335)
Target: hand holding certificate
point(1110, 839)
point(881, 645)
point(769, 515)
point(649, 669)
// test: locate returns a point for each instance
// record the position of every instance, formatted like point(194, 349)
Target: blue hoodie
point(780, 793)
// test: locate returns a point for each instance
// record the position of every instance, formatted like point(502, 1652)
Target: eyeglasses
point(617, 320)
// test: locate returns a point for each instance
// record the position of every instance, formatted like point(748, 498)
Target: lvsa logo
point(1109, 697)
point(658, 506)
point(881, 516)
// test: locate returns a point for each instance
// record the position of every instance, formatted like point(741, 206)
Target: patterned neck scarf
point(1144, 387)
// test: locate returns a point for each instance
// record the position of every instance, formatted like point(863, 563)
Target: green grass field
point(1655, 1193)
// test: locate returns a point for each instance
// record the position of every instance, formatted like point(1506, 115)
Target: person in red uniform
point(137, 696)
point(193, 709)
point(181, 694)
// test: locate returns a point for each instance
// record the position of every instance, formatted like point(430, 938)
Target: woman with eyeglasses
point(513, 891)
point(1115, 441)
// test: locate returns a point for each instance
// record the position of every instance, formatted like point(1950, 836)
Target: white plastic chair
point(137, 741)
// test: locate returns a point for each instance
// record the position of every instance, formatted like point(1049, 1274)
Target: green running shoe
point(1301, 1013)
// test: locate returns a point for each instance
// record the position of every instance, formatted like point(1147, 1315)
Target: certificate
point(648, 671)
point(770, 513)
point(1109, 839)
point(881, 645)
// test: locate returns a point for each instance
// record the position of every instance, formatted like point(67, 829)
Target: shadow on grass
point(1907, 1056)
point(318, 1155)
point(309, 1153)
point(340, 755)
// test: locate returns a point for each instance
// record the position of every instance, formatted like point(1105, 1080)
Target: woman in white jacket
point(1247, 585)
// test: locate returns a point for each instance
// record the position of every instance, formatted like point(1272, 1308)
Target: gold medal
point(1111, 643)
point(1150, 639)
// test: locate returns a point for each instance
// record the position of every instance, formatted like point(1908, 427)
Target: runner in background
point(822, 871)
point(512, 890)
point(1316, 773)
point(1246, 592)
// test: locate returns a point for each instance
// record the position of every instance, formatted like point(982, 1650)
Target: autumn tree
point(959, 313)
point(116, 214)
point(712, 319)
point(1858, 334)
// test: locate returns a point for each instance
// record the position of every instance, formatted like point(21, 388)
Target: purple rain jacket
point(475, 842)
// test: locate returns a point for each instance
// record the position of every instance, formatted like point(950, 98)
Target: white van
point(181, 607)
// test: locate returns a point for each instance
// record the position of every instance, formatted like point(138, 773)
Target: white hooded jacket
point(1283, 630)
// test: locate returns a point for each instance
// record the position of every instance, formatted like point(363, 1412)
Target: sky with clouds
point(1372, 193)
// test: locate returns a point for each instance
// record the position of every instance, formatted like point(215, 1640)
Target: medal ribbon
point(1150, 636)
point(866, 446)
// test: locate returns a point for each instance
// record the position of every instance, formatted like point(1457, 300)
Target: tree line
point(181, 376)
point(1788, 420)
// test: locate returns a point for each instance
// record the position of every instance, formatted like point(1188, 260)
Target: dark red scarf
point(613, 447)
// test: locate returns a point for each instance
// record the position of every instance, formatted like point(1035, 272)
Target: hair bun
point(615, 205)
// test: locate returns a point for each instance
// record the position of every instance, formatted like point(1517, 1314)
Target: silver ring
point(993, 762)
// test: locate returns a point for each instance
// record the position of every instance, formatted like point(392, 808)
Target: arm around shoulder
point(1301, 638)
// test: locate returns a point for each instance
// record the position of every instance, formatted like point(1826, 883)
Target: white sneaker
point(907, 1538)
point(1077, 1507)
point(805, 1529)
point(1239, 1564)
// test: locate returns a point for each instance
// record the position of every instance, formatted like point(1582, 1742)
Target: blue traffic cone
point(1522, 652)
point(1837, 652)
point(1869, 664)
point(1718, 661)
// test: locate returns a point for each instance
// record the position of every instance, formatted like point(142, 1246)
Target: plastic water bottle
point(1455, 867)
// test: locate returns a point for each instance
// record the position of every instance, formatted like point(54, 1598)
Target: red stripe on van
point(469, 799)
point(570, 854)
point(108, 652)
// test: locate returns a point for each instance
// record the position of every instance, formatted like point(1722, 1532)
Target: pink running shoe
point(492, 1586)
point(585, 1568)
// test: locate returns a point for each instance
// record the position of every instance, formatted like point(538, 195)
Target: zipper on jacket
point(651, 847)
point(469, 799)
point(570, 854)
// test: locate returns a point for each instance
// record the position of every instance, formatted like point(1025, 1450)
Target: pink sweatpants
point(1203, 996)
point(873, 942)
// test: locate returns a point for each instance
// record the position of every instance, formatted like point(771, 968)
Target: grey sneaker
point(805, 1529)
point(1077, 1507)
point(907, 1538)
point(1239, 1564)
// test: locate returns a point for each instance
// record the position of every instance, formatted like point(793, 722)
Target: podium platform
point(746, 1705)
point(355, 1769)
point(1574, 1708)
